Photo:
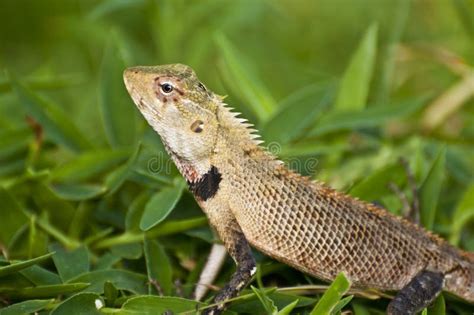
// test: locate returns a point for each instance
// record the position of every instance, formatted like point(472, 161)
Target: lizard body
point(250, 197)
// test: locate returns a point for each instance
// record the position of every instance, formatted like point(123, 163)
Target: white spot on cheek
point(98, 304)
point(253, 271)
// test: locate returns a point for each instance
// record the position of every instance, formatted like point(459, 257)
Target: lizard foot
point(417, 294)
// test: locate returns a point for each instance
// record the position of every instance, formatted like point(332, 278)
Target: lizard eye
point(202, 87)
point(167, 88)
point(197, 126)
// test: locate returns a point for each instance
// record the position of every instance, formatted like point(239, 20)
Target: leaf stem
point(166, 228)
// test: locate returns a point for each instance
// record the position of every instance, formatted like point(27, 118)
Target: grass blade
point(462, 215)
point(355, 82)
point(242, 82)
point(44, 291)
point(151, 305)
point(430, 190)
point(117, 110)
point(332, 296)
point(297, 112)
point(371, 117)
point(17, 266)
point(11, 216)
point(58, 125)
point(267, 303)
point(26, 307)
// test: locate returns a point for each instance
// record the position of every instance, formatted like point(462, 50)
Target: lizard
point(252, 199)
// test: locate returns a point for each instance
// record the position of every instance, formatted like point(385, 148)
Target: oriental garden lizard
point(252, 199)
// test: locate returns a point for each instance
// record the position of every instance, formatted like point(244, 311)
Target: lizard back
point(322, 232)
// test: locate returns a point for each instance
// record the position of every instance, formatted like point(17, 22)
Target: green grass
point(93, 213)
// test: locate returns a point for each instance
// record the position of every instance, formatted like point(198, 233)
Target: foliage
point(96, 219)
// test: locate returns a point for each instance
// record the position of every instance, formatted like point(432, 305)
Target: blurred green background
point(340, 89)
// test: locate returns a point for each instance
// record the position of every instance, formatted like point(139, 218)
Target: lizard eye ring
point(166, 88)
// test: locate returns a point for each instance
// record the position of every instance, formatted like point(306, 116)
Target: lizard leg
point(417, 294)
point(239, 249)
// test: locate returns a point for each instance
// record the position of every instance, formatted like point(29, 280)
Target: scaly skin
point(252, 198)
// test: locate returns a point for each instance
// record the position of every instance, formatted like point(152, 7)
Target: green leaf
point(241, 81)
point(57, 124)
point(390, 49)
point(80, 304)
point(13, 141)
point(332, 296)
point(26, 307)
point(17, 266)
point(466, 16)
point(11, 216)
point(40, 276)
point(107, 261)
point(438, 307)
point(121, 279)
point(158, 266)
point(160, 206)
point(77, 192)
point(355, 83)
point(430, 190)
point(341, 304)
point(359, 309)
point(288, 309)
point(103, 8)
point(127, 251)
point(267, 303)
point(110, 292)
point(135, 212)
point(45, 291)
point(88, 165)
point(117, 110)
point(165, 228)
point(252, 305)
point(375, 185)
point(49, 202)
point(116, 178)
point(152, 305)
point(462, 215)
point(297, 112)
point(373, 116)
point(70, 263)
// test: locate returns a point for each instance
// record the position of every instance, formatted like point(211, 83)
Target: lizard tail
point(460, 281)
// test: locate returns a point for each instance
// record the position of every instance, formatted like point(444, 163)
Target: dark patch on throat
point(207, 186)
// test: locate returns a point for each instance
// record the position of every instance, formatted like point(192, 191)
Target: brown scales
point(302, 223)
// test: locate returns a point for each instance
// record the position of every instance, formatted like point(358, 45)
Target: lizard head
point(181, 109)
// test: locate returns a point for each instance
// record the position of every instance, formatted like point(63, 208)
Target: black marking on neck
point(208, 185)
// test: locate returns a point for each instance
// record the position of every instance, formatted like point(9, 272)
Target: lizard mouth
point(139, 101)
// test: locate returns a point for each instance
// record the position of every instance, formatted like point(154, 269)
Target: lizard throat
point(207, 185)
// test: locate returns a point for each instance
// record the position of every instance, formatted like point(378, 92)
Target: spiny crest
point(242, 129)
